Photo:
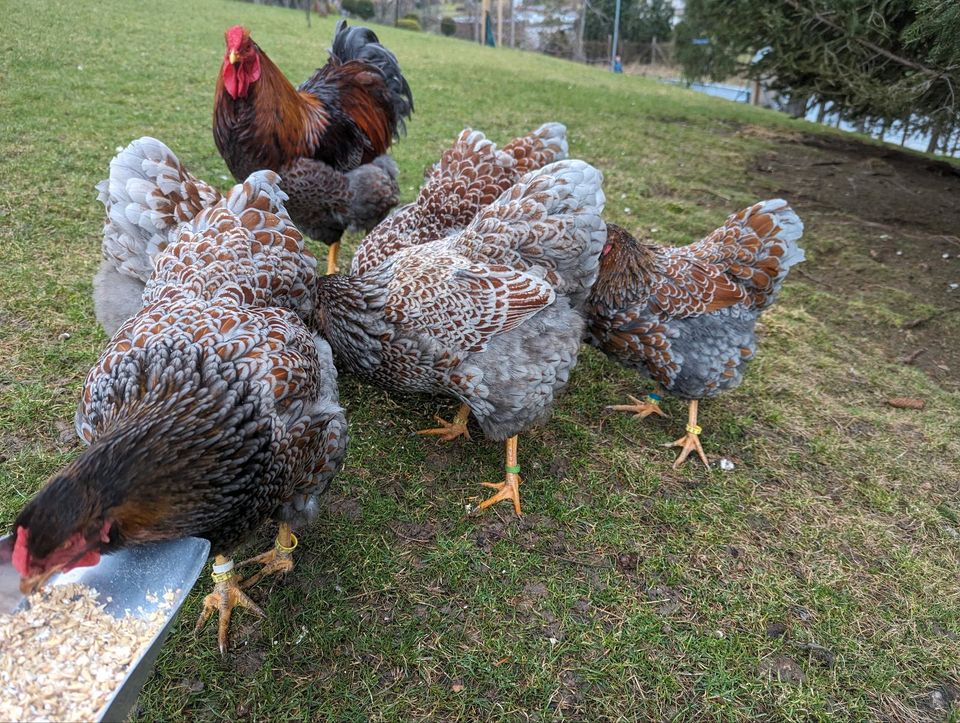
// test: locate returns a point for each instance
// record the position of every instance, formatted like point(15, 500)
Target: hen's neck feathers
point(624, 270)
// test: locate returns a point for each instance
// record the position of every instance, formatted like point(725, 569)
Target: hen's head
point(63, 527)
point(241, 62)
point(618, 244)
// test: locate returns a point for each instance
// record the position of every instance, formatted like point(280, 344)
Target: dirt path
point(882, 223)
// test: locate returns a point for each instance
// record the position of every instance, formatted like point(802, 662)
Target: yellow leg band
point(292, 547)
point(694, 429)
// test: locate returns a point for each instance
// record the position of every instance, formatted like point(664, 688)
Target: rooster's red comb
point(236, 36)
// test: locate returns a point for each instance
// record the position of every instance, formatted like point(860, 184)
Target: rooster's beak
point(233, 57)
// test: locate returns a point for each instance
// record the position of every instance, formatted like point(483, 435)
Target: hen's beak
point(30, 585)
point(233, 57)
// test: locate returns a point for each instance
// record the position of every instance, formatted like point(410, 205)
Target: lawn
point(817, 580)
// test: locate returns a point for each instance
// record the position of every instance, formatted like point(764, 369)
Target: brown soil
point(879, 220)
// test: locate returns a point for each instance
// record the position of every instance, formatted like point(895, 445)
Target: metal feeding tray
point(126, 577)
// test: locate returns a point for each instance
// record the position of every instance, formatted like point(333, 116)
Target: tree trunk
point(581, 23)
point(307, 4)
point(934, 139)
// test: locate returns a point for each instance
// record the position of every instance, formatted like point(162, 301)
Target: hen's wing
point(540, 238)
point(470, 175)
point(200, 353)
point(438, 292)
point(743, 262)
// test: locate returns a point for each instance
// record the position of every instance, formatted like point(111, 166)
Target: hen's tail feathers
point(758, 246)
point(148, 194)
point(547, 144)
point(245, 246)
point(360, 43)
point(549, 220)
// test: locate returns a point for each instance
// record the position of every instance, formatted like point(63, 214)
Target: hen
point(212, 410)
point(489, 315)
point(469, 176)
point(147, 197)
point(327, 139)
point(686, 316)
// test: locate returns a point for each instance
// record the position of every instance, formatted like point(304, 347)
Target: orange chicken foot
point(509, 489)
point(449, 431)
point(641, 409)
point(691, 440)
point(225, 597)
point(277, 560)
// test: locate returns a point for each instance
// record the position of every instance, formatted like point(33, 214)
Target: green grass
point(629, 590)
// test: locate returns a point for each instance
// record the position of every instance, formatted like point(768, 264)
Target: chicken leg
point(225, 597)
point(691, 440)
point(642, 409)
point(449, 431)
point(509, 489)
point(278, 559)
point(332, 258)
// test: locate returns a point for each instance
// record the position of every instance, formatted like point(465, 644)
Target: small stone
point(457, 686)
point(945, 256)
point(954, 287)
point(726, 465)
point(627, 210)
point(776, 630)
point(899, 253)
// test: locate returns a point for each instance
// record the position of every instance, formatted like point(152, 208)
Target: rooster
point(489, 315)
point(327, 139)
point(686, 316)
point(213, 408)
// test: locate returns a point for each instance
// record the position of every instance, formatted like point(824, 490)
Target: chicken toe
point(277, 560)
point(509, 489)
point(691, 440)
point(641, 408)
point(449, 431)
point(225, 597)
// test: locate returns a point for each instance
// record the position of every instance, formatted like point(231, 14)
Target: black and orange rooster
point(327, 139)
point(685, 316)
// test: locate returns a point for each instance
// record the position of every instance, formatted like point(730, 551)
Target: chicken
point(147, 197)
point(470, 175)
point(212, 410)
point(490, 315)
point(327, 139)
point(686, 316)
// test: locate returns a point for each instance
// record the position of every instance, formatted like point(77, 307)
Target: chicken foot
point(332, 251)
point(691, 440)
point(642, 409)
point(449, 431)
point(509, 489)
point(278, 559)
point(225, 597)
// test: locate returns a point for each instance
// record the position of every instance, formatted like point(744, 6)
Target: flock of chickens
point(215, 407)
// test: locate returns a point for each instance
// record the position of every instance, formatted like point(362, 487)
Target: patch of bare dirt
point(880, 220)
